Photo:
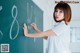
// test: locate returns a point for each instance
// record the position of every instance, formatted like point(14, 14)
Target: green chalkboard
point(13, 14)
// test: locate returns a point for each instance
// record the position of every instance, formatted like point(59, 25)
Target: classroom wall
point(75, 45)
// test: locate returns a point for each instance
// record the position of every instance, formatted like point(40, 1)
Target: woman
point(59, 34)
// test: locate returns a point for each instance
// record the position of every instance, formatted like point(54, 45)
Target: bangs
point(60, 8)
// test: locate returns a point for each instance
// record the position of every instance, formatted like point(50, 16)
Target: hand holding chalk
point(34, 26)
point(25, 29)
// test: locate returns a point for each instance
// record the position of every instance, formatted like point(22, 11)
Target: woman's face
point(59, 15)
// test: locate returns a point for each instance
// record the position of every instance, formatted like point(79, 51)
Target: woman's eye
point(61, 11)
point(56, 11)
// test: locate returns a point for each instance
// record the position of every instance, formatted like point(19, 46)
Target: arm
point(33, 25)
point(39, 34)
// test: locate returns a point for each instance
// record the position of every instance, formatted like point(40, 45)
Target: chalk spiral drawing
point(15, 20)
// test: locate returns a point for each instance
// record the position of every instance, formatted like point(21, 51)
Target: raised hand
point(25, 29)
point(34, 26)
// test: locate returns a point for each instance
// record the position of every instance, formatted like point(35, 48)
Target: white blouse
point(59, 43)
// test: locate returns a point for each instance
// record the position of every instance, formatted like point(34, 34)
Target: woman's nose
point(57, 13)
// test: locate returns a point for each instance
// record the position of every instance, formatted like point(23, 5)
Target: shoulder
point(60, 28)
point(60, 25)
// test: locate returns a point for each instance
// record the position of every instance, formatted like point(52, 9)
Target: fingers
point(32, 24)
point(25, 29)
point(24, 26)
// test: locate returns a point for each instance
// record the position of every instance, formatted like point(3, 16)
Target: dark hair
point(67, 11)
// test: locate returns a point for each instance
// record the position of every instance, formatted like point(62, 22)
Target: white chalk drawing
point(1, 8)
point(29, 27)
point(27, 9)
point(28, 21)
point(31, 16)
point(15, 20)
point(31, 12)
point(1, 32)
point(28, 14)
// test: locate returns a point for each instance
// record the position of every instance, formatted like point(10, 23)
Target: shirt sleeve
point(59, 29)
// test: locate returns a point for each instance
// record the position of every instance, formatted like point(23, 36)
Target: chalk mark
point(1, 8)
point(1, 32)
point(14, 17)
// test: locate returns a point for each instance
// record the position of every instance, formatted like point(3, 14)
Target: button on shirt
point(59, 43)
